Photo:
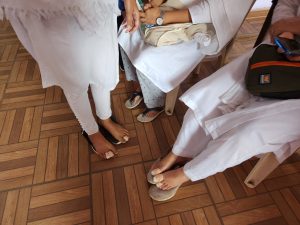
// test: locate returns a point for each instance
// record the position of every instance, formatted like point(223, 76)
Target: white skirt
point(68, 55)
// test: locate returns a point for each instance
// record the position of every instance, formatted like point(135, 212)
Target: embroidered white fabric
point(88, 13)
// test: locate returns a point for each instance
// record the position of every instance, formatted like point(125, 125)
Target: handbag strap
point(266, 24)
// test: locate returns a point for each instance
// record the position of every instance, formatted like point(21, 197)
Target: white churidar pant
point(216, 140)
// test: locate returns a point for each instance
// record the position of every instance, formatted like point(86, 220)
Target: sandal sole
point(140, 117)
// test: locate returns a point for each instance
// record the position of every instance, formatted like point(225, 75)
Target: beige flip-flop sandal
point(108, 136)
point(160, 195)
point(144, 118)
point(135, 99)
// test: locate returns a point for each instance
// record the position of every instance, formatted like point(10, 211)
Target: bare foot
point(171, 179)
point(136, 86)
point(166, 163)
point(119, 133)
point(103, 148)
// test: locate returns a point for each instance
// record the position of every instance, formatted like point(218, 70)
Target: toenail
point(155, 172)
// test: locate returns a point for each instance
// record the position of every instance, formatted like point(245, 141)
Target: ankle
point(182, 176)
point(107, 122)
point(97, 137)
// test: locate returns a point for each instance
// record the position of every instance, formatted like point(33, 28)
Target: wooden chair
point(172, 96)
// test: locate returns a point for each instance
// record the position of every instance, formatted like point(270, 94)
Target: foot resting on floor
point(166, 163)
point(116, 130)
point(102, 147)
point(171, 179)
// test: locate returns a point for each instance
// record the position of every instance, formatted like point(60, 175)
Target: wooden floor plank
point(10, 207)
point(48, 175)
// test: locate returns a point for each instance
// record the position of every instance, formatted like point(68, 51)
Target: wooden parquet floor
point(49, 176)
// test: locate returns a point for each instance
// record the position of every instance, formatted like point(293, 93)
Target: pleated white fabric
point(73, 41)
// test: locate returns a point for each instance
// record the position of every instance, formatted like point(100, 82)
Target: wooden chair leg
point(171, 101)
point(262, 169)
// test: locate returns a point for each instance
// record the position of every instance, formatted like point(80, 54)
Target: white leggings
point(81, 107)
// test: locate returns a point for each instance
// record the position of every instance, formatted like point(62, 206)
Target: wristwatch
point(160, 19)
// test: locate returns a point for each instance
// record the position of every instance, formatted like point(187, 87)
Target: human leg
point(81, 107)
point(154, 99)
point(190, 141)
point(103, 110)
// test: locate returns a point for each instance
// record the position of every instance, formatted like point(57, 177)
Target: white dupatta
point(88, 13)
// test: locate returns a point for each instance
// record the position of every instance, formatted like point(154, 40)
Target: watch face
point(159, 21)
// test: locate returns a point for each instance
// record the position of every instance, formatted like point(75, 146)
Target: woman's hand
point(154, 3)
point(291, 25)
point(288, 35)
point(150, 15)
point(132, 15)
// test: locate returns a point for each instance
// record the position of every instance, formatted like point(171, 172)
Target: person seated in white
point(75, 45)
point(225, 125)
point(161, 69)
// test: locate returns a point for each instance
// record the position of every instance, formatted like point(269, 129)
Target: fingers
point(142, 15)
point(280, 50)
point(136, 18)
point(294, 58)
point(133, 21)
point(129, 23)
point(143, 20)
point(147, 6)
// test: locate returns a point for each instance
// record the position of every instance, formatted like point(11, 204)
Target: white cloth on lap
point(168, 66)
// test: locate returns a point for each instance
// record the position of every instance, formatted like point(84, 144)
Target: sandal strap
point(156, 109)
point(134, 95)
point(86, 136)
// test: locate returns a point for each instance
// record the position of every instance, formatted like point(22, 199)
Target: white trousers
point(210, 156)
point(81, 107)
point(73, 59)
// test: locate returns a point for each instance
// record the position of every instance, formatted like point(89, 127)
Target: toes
point(168, 187)
point(126, 138)
point(155, 172)
point(109, 155)
point(112, 148)
point(164, 187)
point(159, 185)
point(159, 178)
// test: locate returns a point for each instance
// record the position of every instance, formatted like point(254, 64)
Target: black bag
point(271, 75)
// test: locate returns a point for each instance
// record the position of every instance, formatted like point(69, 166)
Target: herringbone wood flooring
point(49, 176)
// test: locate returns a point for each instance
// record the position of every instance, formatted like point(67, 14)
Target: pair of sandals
point(158, 194)
point(108, 136)
point(135, 99)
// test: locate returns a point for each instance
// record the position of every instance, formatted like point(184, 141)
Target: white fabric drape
point(73, 41)
point(168, 66)
point(89, 14)
point(222, 107)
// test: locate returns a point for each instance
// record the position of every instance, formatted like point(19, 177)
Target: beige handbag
point(175, 33)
